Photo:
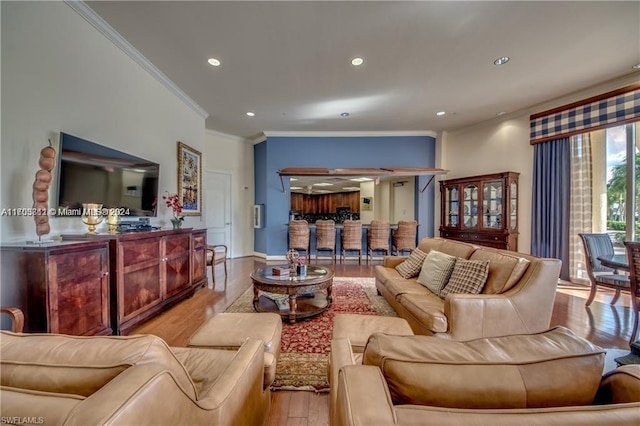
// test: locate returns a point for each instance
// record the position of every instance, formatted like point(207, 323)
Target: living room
point(61, 74)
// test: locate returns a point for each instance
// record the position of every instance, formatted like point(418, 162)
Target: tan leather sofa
point(132, 380)
point(517, 298)
point(549, 378)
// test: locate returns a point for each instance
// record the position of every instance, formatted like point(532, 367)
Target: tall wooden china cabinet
point(481, 210)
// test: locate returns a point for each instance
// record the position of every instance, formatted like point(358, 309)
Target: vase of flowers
point(301, 268)
point(174, 204)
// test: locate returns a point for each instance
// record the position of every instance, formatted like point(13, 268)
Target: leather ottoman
point(230, 330)
point(358, 328)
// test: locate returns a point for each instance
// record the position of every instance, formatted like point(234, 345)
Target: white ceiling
point(289, 62)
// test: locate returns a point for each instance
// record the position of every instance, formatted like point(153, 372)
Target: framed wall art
point(190, 180)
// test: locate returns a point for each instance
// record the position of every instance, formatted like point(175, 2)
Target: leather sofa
point(517, 298)
point(127, 380)
point(550, 378)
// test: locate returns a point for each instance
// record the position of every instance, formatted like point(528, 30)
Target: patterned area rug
point(304, 352)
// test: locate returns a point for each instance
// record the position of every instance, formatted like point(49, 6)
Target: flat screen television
point(92, 173)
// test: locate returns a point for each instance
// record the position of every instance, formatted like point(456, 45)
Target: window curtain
point(581, 204)
point(551, 199)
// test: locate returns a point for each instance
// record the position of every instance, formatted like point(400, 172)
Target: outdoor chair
point(598, 245)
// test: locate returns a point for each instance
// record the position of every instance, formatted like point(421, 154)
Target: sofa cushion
point(400, 286)
point(80, 365)
point(436, 270)
point(505, 270)
point(454, 248)
point(548, 369)
point(427, 309)
point(468, 276)
point(412, 265)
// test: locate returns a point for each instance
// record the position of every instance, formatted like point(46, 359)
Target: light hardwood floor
point(603, 324)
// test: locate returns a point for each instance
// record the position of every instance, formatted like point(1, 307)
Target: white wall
point(233, 155)
point(61, 74)
point(503, 144)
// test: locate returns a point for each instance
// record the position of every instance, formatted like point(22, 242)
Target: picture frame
point(366, 203)
point(189, 180)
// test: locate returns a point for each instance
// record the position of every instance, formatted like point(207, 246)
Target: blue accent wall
point(333, 152)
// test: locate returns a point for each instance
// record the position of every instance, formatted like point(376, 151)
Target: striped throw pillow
point(468, 276)
point(412, 265)
point(436, 271)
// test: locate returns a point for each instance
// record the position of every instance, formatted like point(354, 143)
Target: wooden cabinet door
point(78, 292)
point(139, 285)
point(198, 258)
point(176, 265)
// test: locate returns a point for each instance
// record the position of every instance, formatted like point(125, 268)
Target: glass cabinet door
point(452, 206)
point(492, 205)
point(470, 206)
point(513, 194)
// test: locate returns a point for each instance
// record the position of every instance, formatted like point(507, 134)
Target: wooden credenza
point(150, 271)
point(61, 287)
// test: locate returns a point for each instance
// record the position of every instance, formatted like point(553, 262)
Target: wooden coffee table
point(305, 294)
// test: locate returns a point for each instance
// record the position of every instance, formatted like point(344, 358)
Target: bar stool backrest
point(299, 235)
point(378, 236)
point(326, 234)
point(352, 235)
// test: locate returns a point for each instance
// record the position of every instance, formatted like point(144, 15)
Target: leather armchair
point(126, 380)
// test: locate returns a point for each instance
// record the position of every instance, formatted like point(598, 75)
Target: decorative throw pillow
point(436, 270)
point(412, 265)
point(468, 276)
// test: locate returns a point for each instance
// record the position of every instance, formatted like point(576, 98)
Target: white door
point(217, 208)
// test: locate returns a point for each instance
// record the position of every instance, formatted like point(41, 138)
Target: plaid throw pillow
point(436, 271)
point(411, 267)
point(468, 276)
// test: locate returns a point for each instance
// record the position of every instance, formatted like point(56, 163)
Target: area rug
point(304, 352)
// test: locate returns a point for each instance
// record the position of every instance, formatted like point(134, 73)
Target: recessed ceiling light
point(501, 113)
point(214, 62)
point(351, 188)
point(323, 184)
point(356, 62)
point(636, 67)
point(440, 113)
point(344, 114)
point(361, 179)
point(296, 187)
point(251, 114)
point(501, 61)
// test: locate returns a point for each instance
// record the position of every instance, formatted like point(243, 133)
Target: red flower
point(173, 203)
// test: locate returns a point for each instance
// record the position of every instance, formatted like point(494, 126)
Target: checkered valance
point(586, 116)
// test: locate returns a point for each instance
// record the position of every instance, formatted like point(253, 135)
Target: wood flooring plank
point(279, 408)
point(299, 406)
point(319, 409)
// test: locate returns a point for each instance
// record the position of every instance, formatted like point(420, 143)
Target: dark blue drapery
point(550, 204)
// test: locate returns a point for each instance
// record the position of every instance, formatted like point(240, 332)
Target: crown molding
point(112, 35)
point(351, 134)
point(225, 135)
